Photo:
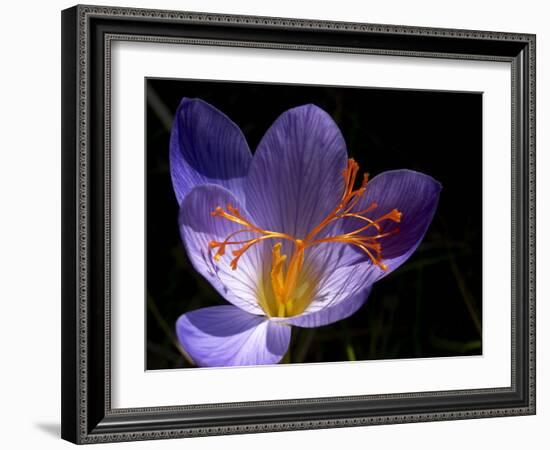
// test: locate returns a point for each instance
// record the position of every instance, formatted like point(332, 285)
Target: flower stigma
point(290, 289)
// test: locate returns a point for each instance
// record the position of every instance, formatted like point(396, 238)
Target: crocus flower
point(286, 235)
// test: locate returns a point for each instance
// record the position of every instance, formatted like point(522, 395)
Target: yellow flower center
point(290, 289)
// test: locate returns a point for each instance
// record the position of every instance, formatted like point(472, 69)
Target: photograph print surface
point(311, 224)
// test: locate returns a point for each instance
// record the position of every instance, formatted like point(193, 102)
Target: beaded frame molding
point(87, 35)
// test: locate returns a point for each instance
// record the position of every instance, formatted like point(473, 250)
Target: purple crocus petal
point(333, 313)
point(340, 289)
point(416, 196)
point(227, 336)
point(295, 177)
point(336, 281)
point(206, 147)
point(198, 228)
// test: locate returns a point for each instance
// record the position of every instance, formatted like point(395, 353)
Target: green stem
point(287, 359)
point(466, 295)
point(350, 351)
point(304, 343)
point(151, 305)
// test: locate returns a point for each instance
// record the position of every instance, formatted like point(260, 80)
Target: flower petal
point(338, 289)
point(227, 336)
point(198, 228)
point(331, 314)
point(335, 281)
point(206, 147)
point(416, 196)
point(295, 177)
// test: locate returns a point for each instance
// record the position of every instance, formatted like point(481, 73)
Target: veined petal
point(337, 281)
point(199, 228)
point(227, 336)
point(338, 290)
point(206, 147)
point(295, 177)
point(331, 313)
point(412, 193)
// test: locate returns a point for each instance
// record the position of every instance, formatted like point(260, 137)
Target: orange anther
point(286, 272)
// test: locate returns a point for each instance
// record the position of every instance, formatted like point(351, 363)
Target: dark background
point(430, 306)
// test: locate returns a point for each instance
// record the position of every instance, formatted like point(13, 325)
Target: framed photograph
point(281, 224)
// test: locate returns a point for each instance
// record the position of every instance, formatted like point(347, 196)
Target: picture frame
point(88, 34)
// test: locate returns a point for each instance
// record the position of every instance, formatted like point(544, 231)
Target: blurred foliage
point(430, 307)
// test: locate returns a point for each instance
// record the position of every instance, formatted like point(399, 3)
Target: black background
point(429, 307)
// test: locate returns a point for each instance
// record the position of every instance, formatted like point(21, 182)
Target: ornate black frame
point(87, 32)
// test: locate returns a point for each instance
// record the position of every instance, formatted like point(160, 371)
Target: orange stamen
point(235, 216)
point(284, 282)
